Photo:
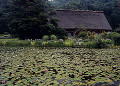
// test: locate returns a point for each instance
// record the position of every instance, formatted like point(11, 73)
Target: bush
point(117, 40)
point(45, 38)
point(86, 40)
point(115, 37)
point(44, 43)
point(103, 35)
point(112, 35)
point(90, 44)
point(36, 43)
point(69, 43)
point(48, 44)
point(15, 43)
point(96, 44)
point(54, 44)
point(108, 41)
point(1, 43)
point(59, 44)
point(91, 35)
point(25, 43)
point(10, 43)
point(82, 34)
point(100, 44)
point(53, 37)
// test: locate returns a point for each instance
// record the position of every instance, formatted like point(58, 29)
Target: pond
point(59, 66)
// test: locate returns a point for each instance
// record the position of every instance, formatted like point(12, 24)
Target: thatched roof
point(68, 19)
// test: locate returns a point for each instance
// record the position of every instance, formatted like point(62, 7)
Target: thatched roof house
point(91, 20)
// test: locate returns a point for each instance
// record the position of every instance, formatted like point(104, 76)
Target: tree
point(29, 19)
point(3, 19)
point(119, 3)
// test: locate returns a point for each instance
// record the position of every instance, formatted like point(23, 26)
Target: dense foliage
point(31, 19)
point(3, 20)
point(46, 42)
point(110, 8)
point(115, 37)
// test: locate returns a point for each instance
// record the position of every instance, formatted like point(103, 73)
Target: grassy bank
point(36, 43)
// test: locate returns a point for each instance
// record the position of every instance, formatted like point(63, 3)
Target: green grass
point(29, 66)
point(35, 43)
point(9, 39)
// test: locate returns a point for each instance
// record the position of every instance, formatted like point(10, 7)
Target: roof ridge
point(80, 10)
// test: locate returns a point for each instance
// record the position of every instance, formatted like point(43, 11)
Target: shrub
point(47, 44)
point(112, 35)
point(59, 44)
point(90, 44)
point(11, 43)
point(1, 43)
point(45, 38)
point(108, 41)
point(44, 43)
point(117, 40)
point(4, 43)
point(100, 44)
point(91, 35)
point(32, 43)
point(36, 43)
point(16, 43)
point(86, 40)
point(53, 37)
point(103, 35)
point(115, 37)
point(50, 44)
point(96, 44)
point(82, 34)
point(25, 43)
point(54, 44)
point(69, 43)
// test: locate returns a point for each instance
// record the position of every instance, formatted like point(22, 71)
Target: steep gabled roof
point(68, 19)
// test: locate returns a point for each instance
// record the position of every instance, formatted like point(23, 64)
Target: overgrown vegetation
point(102, 40)
point(84, 39)
point(46, 42)
point(115, 37)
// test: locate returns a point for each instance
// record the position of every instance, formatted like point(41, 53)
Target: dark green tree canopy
point(3, 20)
point(30, 19)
